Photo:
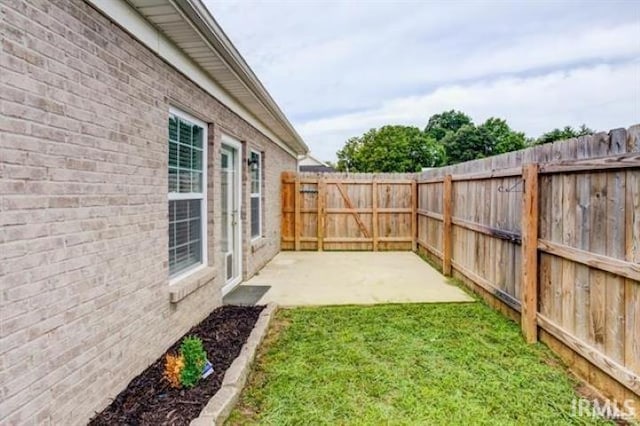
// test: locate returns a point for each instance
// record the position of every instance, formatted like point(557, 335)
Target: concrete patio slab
point(341, 278)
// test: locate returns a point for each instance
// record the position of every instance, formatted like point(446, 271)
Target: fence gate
point(357, 212)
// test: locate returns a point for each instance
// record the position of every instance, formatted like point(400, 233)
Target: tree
point(467, 143)
point(331, 164)
point(504, 139)
point(567, 132)
point(390, 149)
point(450, 137)
point(493, 137)
point(349, 155)
point(449, 121)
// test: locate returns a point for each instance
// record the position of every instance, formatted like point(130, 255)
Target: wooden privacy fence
point(356, 212)
point(549, 235)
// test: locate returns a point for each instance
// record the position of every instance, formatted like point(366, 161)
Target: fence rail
point(552, 233)
point(549, 235)
point(359, 212)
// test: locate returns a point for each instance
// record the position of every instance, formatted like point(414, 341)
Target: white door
point(231, 226)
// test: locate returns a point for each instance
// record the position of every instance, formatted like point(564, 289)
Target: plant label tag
point(207, 369)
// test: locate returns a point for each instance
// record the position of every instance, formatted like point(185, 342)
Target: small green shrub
point(194, 359)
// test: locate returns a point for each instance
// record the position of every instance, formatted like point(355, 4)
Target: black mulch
point(149, 400)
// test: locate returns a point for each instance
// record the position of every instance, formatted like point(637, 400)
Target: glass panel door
point(229, 205)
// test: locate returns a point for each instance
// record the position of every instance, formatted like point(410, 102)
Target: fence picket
point(558, 245)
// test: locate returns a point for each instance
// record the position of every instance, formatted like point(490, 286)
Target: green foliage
point(567, 132)
point(194, 359)
point(470, 142)
point(448, 121)
point(450, 137)
point(331, 164)
point(390, 149)
point(349, 156)
point(503, 138)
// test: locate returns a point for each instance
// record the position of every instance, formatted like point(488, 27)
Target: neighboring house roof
point(317, 169)
point(310, 160)
point(184, 33)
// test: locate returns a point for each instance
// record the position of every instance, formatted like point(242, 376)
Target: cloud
point(337, 68)
point(353, 73)
point(602, 96)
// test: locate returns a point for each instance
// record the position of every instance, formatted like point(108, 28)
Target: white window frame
point(202, 196)
point(257, 195)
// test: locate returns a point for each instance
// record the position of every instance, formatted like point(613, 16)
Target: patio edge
point(220, 405)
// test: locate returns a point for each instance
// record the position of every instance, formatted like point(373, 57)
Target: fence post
point(530, 253)
point(414, 215)
point(321, 212)
point(447, 208)
point(374, 215)
point(298, 217)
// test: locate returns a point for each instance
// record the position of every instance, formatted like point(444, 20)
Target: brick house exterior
point(85, 295)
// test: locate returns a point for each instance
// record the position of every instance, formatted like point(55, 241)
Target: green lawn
point(459, 364)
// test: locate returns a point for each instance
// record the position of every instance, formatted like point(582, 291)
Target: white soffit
point(186, 35)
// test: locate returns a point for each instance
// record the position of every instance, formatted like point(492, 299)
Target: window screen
point(185, 156)
point(256, 194)
point(185, 228)
point(186, 193)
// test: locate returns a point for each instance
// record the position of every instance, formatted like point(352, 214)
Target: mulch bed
point(149, 400)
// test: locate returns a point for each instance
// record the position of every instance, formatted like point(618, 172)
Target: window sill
point(187, 285)
point(257, 244)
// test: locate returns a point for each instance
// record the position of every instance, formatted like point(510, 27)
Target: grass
point(404, 364)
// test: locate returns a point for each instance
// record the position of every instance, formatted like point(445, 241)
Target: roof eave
point(209, 28)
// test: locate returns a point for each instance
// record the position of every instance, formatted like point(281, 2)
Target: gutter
point(209, 28)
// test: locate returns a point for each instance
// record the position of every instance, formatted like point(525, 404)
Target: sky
point(338, 69)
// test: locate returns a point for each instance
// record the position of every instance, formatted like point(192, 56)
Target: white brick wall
point(84, 303)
